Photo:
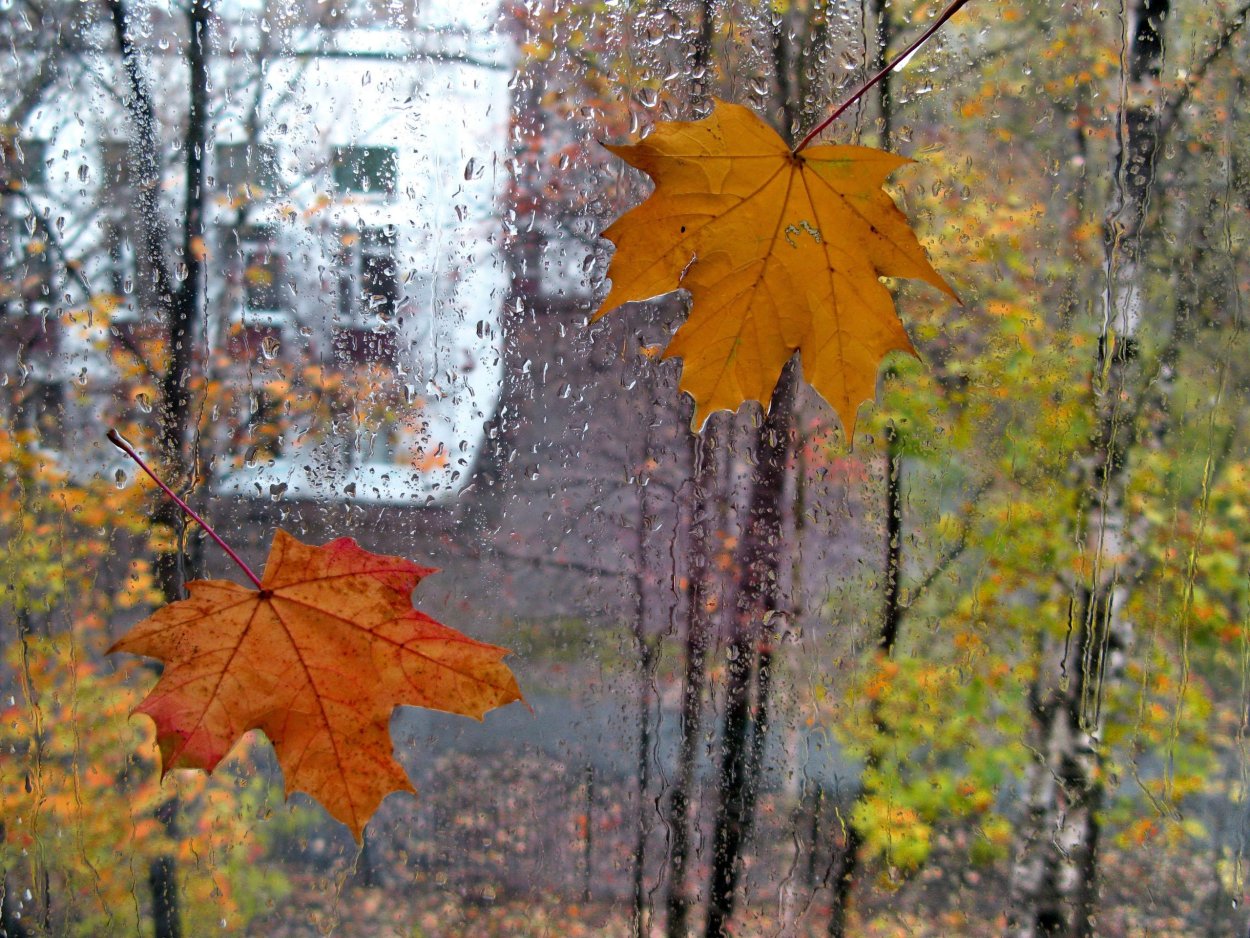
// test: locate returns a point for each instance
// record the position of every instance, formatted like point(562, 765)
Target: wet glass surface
point(335, 267)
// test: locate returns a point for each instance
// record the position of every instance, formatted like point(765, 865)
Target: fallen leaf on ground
point(780, 253)
point(317, 660)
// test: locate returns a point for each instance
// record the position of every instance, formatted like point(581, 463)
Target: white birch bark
point(1054, 887)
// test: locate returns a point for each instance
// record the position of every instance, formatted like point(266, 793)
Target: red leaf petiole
point(868, 85)
point(116, 439)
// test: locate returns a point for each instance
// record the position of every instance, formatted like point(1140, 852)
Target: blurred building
point(354, 276)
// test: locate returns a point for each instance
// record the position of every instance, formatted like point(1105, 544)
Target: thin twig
point(871, 83)
point(948, 556)
point(116, 439)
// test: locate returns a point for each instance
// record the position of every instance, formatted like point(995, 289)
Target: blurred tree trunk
point(647, 650)
point(699, 577)
point(1055, 880)
point(756, 600)
point(698, 637)
point(760, 562)
point(845, 866)
point(179, 301)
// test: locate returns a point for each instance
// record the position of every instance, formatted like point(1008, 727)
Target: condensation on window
point(338, 269)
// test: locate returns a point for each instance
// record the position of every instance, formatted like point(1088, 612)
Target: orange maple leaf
point(317, 659)
point(780, 251)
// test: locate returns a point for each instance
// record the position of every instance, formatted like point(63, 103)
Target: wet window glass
point(624, 468)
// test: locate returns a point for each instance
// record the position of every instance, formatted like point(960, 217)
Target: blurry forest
point(982, 670)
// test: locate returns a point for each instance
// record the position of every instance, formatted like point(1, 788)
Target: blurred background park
point(332, 266)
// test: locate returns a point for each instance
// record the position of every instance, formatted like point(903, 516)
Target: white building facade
point(354, 275)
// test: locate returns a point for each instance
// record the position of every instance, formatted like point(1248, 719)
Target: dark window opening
point(365, 169)
point(23, 163)
point(247, 166)
point(27, 270)
point(379, 272)
point(116, 157)
point(368, 275)
point(264, 270)
point(250, 341)
point(365, 346)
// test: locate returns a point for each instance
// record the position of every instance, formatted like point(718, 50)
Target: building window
point(264, 269)
point(249, 340)
point(379, 271)
point(120, 271)
point(365, 346)
point(365, 169)
point(26, 269)
point(368, 295)
point(368, 275)
point(116, 155)
point(23, 162)
point(246, 166)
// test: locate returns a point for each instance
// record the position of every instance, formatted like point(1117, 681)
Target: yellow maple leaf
point(780, 251)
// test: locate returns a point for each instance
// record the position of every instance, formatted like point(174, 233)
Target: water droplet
point(144, 402)
point(120, 478)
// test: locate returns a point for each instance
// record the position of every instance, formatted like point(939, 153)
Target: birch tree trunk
point(845, 868)
point(1055, 879)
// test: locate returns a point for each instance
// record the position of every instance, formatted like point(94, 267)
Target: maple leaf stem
point(116, 439)
point(871, 83)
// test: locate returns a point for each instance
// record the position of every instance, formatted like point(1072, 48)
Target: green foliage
point(994, 430)
point(940, 747)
